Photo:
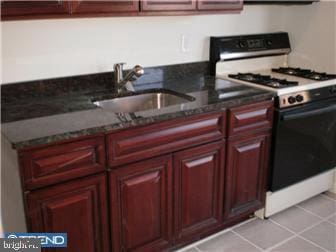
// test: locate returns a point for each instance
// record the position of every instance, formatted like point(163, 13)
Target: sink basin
point(143, 101)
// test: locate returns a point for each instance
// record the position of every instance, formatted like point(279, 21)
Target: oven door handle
point(308, 113)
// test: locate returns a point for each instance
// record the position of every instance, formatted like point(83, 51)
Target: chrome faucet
point(125, 83)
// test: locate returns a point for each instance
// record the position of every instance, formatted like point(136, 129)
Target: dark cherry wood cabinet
point(248, 150)
point(11, 9)
point(245, 119)
point(58, 163)
point(78, 208)
point(104, 7)
point(246, 173)
point(217, 5)
point(168, 5)
point(141, 205)
point(156, 187)
point(32, 9)
point(165, 137)
point(198, 190)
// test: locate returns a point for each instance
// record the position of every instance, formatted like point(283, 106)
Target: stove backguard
point(247, 46)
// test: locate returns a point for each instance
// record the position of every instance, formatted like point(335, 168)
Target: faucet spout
point(118, 72)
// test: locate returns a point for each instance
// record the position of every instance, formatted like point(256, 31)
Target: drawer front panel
point(149, 141)
point(58, 163)
point(250, 117)
point(216, 5)
point(168, 5)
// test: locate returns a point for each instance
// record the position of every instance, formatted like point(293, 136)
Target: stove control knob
point(291, 99)
point(241, 44)
point(269, 42)
point(299, 98)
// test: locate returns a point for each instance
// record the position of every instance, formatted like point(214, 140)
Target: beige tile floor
point(307, 227)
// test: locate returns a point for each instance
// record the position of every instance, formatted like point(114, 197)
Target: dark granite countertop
point(47, 119)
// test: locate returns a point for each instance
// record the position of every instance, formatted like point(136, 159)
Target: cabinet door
point(168, 5)
point(141, 199)
point(246, 173)
point(31, 9)
point(219, 5)
point(104, 7)
point(198, 175)
point(77, 208)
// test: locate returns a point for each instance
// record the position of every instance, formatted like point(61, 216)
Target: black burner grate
point(264, 80)
point(305, 73)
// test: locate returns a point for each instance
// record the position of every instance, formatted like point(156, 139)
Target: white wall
point(42, 49)
point(312, 30)
point(51, 48)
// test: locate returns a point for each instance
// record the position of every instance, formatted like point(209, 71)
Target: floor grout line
point(248, 241)
point(328, 197)
point(294, 234)
point(206, 239)
point(243, 223)
point(331, 221)
point(303, 230)
point(197, 249)
point(316, 215)
point(311, 242)
point(280, 243)
point(298, 234)
point(194, 244)
point(307, 228)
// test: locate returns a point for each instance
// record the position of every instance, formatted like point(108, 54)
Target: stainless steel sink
point(143, 101)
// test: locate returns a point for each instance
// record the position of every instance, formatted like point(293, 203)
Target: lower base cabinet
point(208, 178)
point(142, 201)
point(246, 174)
point(198, 174)
point(78, 208)
point(141, 205)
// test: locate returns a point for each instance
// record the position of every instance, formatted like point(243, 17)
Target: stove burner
point(248, 77)
point(316, 76)
point(265, 80)
point(274, 84)
point(291, 71)
point(305, 73)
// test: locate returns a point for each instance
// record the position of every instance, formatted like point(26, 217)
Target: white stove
point(263, 66)
point(304, 130)
point(262, 61)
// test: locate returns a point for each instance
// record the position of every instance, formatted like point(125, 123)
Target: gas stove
point(261, 61)
point(304, 128)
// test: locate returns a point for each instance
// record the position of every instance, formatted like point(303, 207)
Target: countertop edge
point(53, 139)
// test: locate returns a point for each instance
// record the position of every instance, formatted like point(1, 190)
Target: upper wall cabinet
point(11, 10)
point(104, 7)
point(33, 9)
point(168, 5)
point(212, 5)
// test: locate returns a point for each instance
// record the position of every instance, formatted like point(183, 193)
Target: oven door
point(304, 143)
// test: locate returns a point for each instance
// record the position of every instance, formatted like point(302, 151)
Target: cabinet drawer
point(50, 165)
point(153, 140)
point(216, 5)
point(250, 117)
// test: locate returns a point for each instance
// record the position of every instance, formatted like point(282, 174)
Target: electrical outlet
point(185, 43)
